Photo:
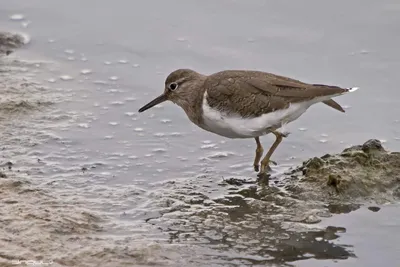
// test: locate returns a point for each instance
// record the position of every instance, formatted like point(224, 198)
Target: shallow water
point(104, 60)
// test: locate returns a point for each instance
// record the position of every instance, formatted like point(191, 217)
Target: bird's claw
point(256, 168)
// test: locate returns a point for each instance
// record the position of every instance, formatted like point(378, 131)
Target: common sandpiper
point(245, 103)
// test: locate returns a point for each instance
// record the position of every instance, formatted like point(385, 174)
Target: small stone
point(374, 209)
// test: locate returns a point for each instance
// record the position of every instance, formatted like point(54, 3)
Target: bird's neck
point(194, 101)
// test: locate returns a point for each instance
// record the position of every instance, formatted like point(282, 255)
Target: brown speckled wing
point(253, 93)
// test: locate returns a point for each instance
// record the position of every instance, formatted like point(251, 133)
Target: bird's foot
point(266, 168)
point(263, 178)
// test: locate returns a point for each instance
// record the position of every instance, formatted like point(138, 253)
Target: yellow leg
point(259, 152)
point(267, 159)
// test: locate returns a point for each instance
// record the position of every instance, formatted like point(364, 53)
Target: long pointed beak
point(154, 102)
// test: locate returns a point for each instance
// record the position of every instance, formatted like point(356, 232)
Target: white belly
point(238, 127)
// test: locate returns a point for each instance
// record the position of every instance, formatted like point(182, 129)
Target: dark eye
point(173, 86)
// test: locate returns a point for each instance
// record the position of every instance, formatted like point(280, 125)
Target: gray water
point(104, 59)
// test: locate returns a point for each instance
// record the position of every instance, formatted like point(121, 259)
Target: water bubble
point(51, 40)
point(182, 158)
point(86, 71)
point(208, 146)
point(107, 137)
point(159, 150)
point(17, 17)
point(138, 129)
point(136, 65)
point(324, 135)
point(113, 90)
point(84, 59)
point(25, 24)
point(113, 123)
point(100, 82)
point(165, 121)
point(323, 141)
point(51, 80)
point(66, 77)
point(69, 51)
point(181, 39)
point(117, 103)
point(123, 61)
point(130, 114)
point(175, 134)
point(220, 154)
point(107, 63)
point(113, 78)
point(83, 125)
point(71, 58)
point(303, 129)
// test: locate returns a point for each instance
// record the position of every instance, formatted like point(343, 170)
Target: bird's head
point(179, 88)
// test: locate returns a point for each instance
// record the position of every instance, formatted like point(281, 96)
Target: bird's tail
point(352, 89)
point(333, 104)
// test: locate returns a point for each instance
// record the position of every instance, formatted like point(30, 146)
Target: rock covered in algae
point(362, 172)
point(11, 41)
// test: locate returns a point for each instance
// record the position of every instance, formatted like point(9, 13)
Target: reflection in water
point(247, 226)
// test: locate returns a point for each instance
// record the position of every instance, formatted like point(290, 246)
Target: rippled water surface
point(154, 180)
